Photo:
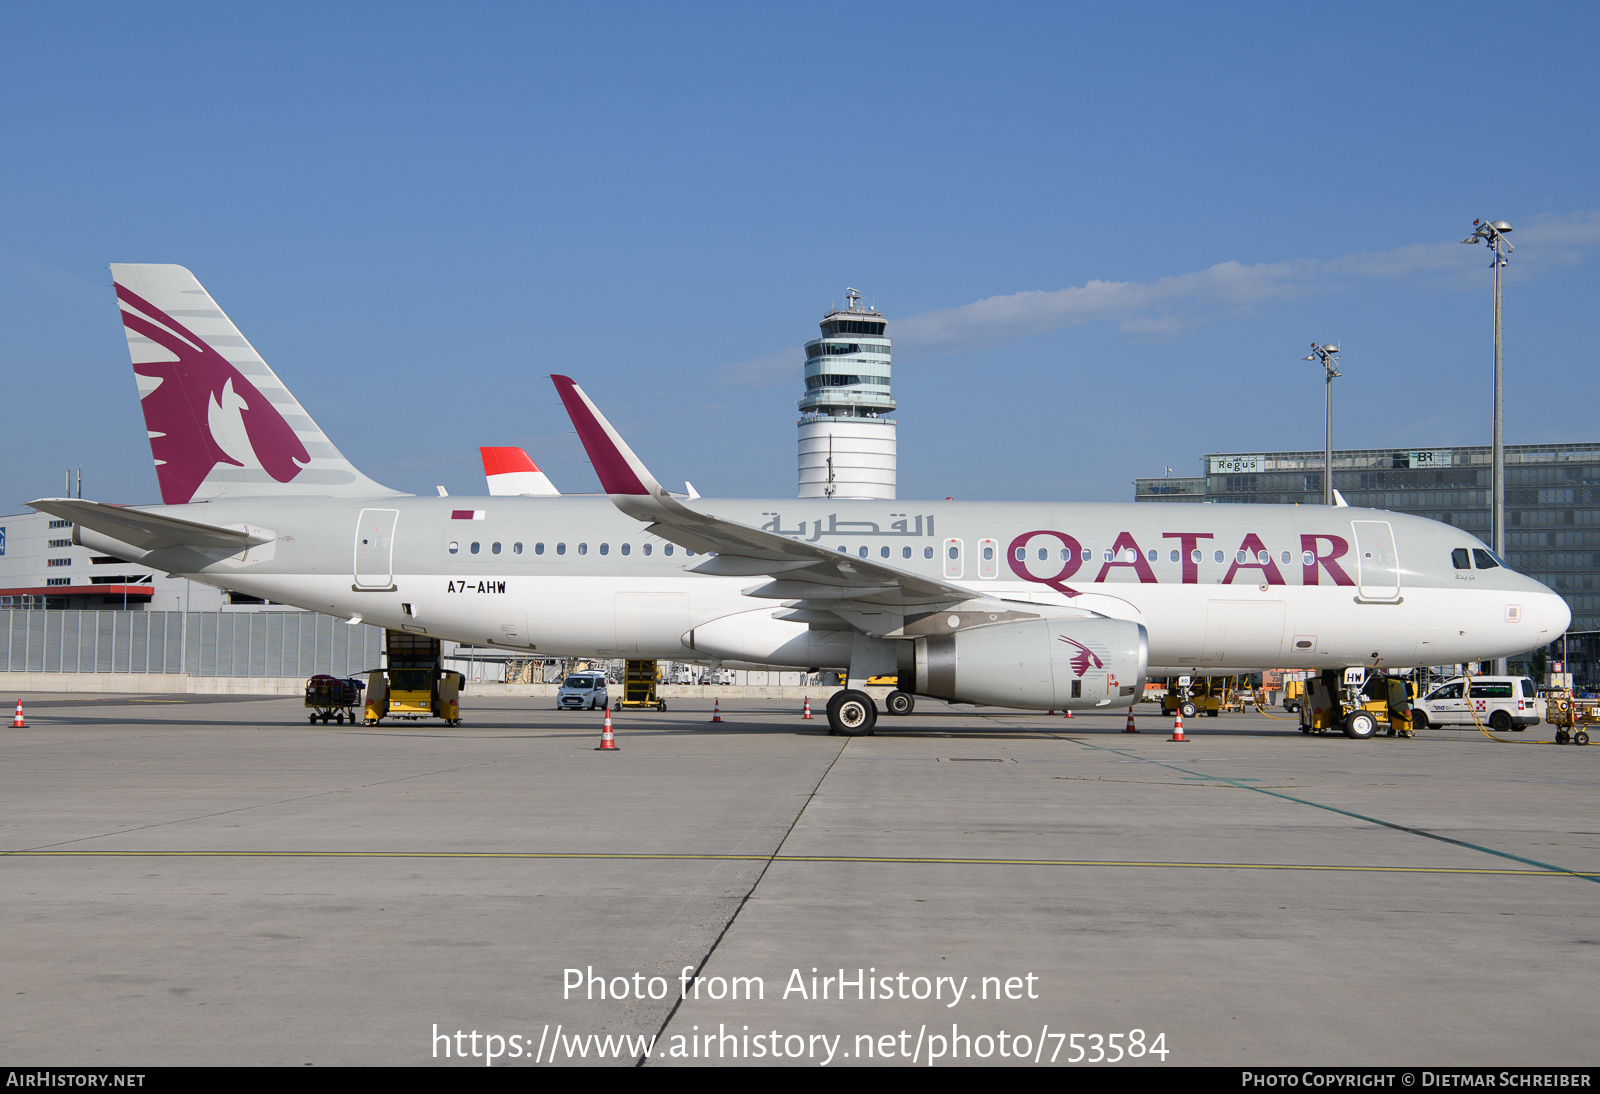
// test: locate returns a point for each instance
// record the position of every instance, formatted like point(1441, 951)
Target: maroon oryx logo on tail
point(199, 389)
point(1081, 659)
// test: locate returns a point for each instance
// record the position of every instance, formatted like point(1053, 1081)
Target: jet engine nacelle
point(1045, 664)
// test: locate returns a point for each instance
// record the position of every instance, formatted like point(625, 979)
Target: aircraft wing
point(824, 586)
point(145, 530)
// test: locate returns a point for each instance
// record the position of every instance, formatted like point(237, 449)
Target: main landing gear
point(851, 714)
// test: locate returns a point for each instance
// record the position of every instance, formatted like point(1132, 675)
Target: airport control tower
point(847, 439)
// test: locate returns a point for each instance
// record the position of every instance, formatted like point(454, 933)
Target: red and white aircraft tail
point(511, 473)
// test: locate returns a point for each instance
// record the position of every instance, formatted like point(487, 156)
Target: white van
point(1499, 702)
point(583, 690)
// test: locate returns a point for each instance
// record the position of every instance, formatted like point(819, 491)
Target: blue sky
point(1104, 236)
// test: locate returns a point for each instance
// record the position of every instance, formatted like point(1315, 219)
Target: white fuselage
point(1218, 587)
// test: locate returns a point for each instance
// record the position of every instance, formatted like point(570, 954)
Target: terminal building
point(847, 439)
point(1552, 507)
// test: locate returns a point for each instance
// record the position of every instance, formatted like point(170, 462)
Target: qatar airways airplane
point(1035, 605)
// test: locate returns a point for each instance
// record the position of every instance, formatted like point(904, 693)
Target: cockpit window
point(1484, 559)
point(1460, 559)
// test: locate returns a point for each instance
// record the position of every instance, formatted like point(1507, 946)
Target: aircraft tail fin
point(510, 471)
point(221, 423)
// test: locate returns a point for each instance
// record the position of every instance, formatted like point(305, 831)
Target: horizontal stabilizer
point(145, 530)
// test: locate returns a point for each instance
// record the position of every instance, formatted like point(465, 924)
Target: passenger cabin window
point(538, 548)
point(1461, 559)
point(626, 548)
point(905, 552)
point(516, 548)
point(561, 548)
point(605, 548)
point(1218, 556)
point(927, 552)
point(474, 548)
point(455, 546)
point(494, 548)
point(647, 548)
point(583, 548)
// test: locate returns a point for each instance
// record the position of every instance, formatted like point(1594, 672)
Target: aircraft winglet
point(620, 471)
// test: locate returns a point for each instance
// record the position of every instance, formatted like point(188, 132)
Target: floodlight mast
point(1329, 356)
point(1494, 236)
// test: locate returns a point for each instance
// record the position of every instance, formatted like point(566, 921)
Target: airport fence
point(266, 644)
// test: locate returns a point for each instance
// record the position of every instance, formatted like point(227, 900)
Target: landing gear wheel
point(1188, 709)
point(1360, 725)
point(851, 714)
point(1580, 738)
point(900, 703)
point(1500, 721)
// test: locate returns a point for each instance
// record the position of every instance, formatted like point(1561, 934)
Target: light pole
point(1494, 236)
point(1329, 356)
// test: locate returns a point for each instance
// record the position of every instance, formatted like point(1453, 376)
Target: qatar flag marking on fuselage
point(178, 411)
point(468, 514)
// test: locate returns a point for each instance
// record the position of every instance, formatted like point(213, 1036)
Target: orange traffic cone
point(608, 740)
point(1130, 728)
point(806, 715)
point(1068, 714)
point(716, 710)
point(1177, 729)
point(17, 722)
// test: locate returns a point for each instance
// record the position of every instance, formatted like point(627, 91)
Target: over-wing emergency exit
point(1034, 605)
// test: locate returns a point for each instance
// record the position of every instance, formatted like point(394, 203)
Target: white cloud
point(1171, 306)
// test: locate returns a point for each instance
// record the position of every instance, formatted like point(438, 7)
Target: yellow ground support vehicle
point(1208, 695)
point(1294, 696)
point(639, 680)
point(1381, 701)
point(416, 684)
point(1571, 716)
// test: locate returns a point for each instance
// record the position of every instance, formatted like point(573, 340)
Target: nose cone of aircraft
point(1551, 616)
